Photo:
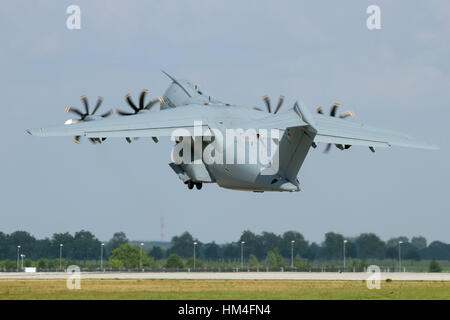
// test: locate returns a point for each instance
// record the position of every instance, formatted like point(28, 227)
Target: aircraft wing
point(148, 124)
point(347, 132)
point(338, 131)
point(163, 123)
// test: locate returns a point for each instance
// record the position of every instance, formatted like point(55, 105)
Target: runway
point(349, 276)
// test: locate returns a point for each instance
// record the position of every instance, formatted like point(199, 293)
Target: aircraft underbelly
point(248, 177)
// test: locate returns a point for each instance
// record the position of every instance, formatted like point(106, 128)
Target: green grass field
point(220, 289)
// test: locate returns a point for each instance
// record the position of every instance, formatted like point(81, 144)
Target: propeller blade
point(128, 140)
point(99, 102)
point(74, 110)
point(152, 103)
point(131, 103)
point(124, 113)
point(86, 104)
point(346, 115)
point(94, 140)
point(267, 101)
point(142, 98)
point(107, 114)
point(280, 102)
point(77, 139)
point(372, 149)
point(155, 139)
point(333, 109)
point(342, 116)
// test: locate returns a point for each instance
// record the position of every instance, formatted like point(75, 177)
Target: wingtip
point(34, 132)
point(435, 147)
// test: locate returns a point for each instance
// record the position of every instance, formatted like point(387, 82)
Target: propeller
point(87, 116)
point(333, 112)
point(136, 109)
point(268, 106)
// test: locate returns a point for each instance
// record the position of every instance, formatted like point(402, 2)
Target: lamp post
point(195, 243)
point(22, 256)
point(400, 256)
point(101, 256)
point(18, 249)
point(292, 253)
point(60, 256)
point(345, 241)
point(140, 257)
point(242, 253)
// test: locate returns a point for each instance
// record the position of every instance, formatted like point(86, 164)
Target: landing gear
point(191, 184)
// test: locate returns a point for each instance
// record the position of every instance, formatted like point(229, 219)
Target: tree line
point(84, 245)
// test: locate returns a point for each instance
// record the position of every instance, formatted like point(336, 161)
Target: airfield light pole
point(292, 253)
point(400, 256)
point(60, 256)
point(345, 241)
point(242, 253)
point(22, 256)
point(195, 243)
point(101, 256)
point(18, 249)
point(140, 257)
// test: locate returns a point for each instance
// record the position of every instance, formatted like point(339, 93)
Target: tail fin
point(293, 148)
point(295, 143)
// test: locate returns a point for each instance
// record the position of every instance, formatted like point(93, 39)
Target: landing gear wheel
point(198, 185)
point(190, 185)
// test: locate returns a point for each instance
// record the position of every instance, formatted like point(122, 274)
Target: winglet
point(35, 132)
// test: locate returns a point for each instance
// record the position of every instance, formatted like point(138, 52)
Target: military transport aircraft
point(185, 107)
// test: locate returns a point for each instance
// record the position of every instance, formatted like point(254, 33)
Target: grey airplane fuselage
point(229, 174)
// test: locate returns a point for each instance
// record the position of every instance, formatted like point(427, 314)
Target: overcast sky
point(317, 51)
